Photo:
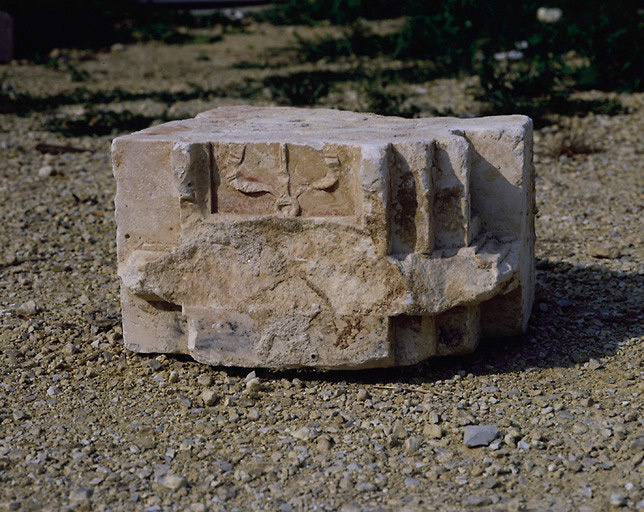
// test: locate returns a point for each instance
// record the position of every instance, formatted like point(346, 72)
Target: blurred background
point(106, 67)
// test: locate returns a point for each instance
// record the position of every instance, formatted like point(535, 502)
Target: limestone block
point(282, 237)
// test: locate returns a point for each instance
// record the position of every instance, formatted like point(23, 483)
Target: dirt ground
point(86, 425)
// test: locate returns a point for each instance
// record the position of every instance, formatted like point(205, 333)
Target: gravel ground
point(550, 421)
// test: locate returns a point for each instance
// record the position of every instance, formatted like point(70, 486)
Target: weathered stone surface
point(281, 237)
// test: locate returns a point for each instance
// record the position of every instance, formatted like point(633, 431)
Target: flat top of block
point(314, 126)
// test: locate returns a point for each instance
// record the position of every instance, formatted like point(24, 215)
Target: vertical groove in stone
point(452, 193)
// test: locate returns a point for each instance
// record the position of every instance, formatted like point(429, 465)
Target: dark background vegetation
point(524, 64)
point(595, 45)
point(41, 25)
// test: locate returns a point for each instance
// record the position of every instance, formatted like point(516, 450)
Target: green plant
point(572, 143)
point(339, 12)
point(537, 75)
point(387, 103)
point(525, 63)
point(247, 64)
point(610, 35)
point(12, 102)
point(77, 74)
point(99, 122)
point(41, 25)
point(298, 89)
point(358, 40)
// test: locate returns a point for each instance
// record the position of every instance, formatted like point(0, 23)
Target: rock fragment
point(324, 443)
point(304, 434)
point(45, 171)
point(253, 385)
point(474, 500)
point(153, 365)
point(603, 251)
point(433, 431)
point(479, 435)
point(362, 395)
point(398, 431)
point(593, 364)
point(617, 499)
point(209, 397)
point(18, 415)
point(28, 308)
point(411, 482)
point(172, 481)
point(204, 380)
point(413, 444)
point(637, 445)
point(523, 445)
point(80, 497)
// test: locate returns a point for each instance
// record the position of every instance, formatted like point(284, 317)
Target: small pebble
point(324, 443)
point(209, 397)
point(204, 380)
point(28, 308)
point(618, 499)
point(81, 494)
point(637, 445)
point(479, 435)
point(398, 431)
point(253, 385)
point(474, 500)
point(412, 444)
point(433, 431)
point(153, 364)
point(362, 395)
point(593, 364)
point(411, 483)
point(303, 434)
point(18, 415)
point(297, 383)
point(45, 171)
point(173, 482)
point(596, 250)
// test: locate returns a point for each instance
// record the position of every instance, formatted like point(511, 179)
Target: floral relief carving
point(286, 199)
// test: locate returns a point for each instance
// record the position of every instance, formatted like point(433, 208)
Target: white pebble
point(45, 171)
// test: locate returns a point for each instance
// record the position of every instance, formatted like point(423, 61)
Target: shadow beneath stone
point(580, 313)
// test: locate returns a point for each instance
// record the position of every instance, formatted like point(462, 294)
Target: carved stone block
point(282, 237)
